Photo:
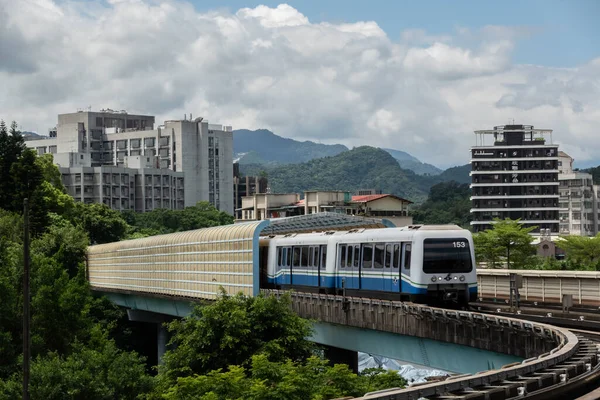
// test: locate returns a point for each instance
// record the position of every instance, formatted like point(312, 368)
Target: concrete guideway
point(556, 359)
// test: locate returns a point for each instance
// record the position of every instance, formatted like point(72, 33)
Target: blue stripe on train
point(367, 283)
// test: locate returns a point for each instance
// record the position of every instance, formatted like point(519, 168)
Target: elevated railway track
point(559, 363)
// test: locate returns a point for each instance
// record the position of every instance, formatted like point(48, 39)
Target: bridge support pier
point(335, 355)
point(161, 330)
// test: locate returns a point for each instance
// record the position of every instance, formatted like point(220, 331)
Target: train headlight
point(439, 278)
point(456, 277)
point(433, 279)
point(462, 278)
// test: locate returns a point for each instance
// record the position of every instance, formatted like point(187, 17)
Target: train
point(431, 264)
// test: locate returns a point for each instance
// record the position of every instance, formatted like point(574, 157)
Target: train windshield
point(446, 255)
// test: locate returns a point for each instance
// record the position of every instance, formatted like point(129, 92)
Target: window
point(356, 260)
point(407, 252)
point(323, 256)
point(304, 256)
point(378, 259)
point(297, 254)
point(396, 256)
point(388, 255)
point(342, 262)
point(367, 259)
point(446, 256)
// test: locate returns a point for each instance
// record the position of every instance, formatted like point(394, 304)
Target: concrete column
point(161, 341)
point(161, 330)
point(335, 355)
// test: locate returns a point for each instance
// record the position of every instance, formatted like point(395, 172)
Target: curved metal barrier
point(556, 355)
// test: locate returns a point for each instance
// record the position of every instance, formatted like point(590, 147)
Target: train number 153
point(460, 244)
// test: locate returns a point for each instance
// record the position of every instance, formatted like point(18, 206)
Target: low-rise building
point(271, 205)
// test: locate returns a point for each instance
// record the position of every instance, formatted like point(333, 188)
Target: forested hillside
point(448, 203)
point(458, 174)
point(595, 171)
point(359, 168)
point(264, 147)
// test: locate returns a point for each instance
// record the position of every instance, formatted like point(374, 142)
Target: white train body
point(429, 263)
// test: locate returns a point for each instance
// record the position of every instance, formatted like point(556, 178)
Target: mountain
point(360, 168)
point(407, 161)
point(459, 174)
point(264, 147)
point(268, 148)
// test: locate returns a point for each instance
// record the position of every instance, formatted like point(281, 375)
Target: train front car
point(447, 265)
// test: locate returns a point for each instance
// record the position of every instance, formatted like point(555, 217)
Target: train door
point(366, 267)
point(349, 266)
point(322, 270)
point(378, 266)
point(392, 268)
point(404, 263)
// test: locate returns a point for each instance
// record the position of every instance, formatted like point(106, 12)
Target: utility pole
point(26, 335)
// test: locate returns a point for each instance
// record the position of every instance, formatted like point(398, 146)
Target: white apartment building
point(138, 186)
point(203, 152)
point(579, 200)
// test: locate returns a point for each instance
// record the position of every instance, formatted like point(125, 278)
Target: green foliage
point(595, 171)
point(460, 174)
point(102, 224)
point(231, 330)
point(96, 371)
point(268, 380)
point(160, 221)
point(361, 167)
point(508, 241)
point(582, 250)
point(448, 203)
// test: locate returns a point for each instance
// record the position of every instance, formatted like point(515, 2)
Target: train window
point(378, 260)
point(323, 256)
point(315, 263)
point(446, 255)
point(367, 259)
point(396, 256)
point(343, 256)
point(297, 252)
point(407, 252)
point(388, 256)
point(356, 262)
point(288, 256)
point(279, 256)
point(304, 257)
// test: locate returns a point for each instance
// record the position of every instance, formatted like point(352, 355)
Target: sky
point(413, 76)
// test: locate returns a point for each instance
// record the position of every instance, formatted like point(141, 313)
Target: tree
point(230, 331)
point(267, 380)
point(102, 224)
point(159, 221)
point(97, 371)
point(507, 238)
point(581, 249)
point(12, 146)
point(448, 203)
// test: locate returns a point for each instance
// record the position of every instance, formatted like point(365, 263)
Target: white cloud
point(272, 68)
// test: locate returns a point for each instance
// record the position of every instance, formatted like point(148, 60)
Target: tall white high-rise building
point(202, 152)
